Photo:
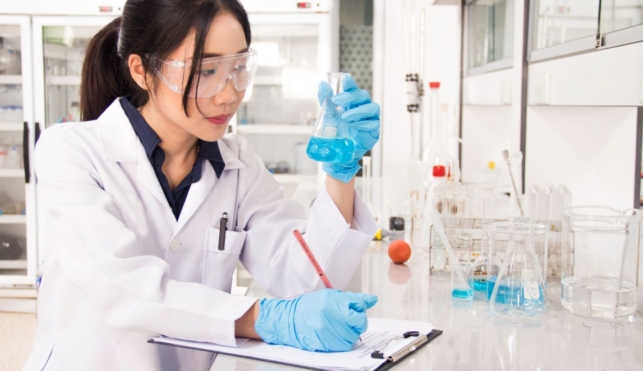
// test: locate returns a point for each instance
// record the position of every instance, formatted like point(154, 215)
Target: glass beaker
point(325, 145)
point(600, 265)
point(517, 252)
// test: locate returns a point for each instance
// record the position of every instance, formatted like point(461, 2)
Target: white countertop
point(473, 338)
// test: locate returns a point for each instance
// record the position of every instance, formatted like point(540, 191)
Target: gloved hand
point(325, 321)
point(360, 122)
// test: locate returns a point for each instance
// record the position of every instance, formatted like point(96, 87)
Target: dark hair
point(151, 29)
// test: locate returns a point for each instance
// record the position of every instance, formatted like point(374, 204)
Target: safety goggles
point(212, 74)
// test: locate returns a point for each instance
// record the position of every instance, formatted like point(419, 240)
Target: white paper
point(380, 331)
point(173, 341)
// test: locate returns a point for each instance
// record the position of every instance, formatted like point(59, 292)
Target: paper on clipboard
point(380, 336)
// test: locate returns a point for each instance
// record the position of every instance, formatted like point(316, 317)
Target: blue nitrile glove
point(360, 122)
point(324, 321)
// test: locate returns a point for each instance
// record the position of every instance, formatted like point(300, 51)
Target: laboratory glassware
point(325, 145)
point(515, 276)
point(460, 285)
point(421, 185)
point(601, 257)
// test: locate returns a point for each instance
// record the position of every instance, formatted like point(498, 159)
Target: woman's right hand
point(325, 321)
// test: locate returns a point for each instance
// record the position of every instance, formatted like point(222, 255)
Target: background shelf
point(275, 129)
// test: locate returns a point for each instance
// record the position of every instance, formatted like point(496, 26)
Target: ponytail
point(105, 74)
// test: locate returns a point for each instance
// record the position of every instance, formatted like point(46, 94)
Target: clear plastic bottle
point(324, 145)
point(3, 156)
point(13, 158)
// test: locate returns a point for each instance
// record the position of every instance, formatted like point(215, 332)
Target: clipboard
point(398, 357)
point(387, 362)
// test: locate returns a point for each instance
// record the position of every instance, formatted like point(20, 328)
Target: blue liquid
point(465, 294)
point(512, 295)
point(334, 150)
point(479, 284)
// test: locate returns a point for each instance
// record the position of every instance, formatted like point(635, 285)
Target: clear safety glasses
point(211, 76)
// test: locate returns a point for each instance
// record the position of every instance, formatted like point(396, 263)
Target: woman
point(135, 198)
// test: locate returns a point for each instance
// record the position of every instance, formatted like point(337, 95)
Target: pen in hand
point(313, 261)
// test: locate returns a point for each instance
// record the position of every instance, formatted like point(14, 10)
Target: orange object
point(399, 251)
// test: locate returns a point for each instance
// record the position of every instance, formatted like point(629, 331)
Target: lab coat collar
point(120, 142)
point(229, 148)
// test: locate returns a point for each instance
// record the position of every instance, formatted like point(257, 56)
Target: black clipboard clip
point(402, 352)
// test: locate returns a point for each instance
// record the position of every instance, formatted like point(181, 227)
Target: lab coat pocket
point(219, 265)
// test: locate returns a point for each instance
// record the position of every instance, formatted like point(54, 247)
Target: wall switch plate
point(540, 89)
point(505, 92)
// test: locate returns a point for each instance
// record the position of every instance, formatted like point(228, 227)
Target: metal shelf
point(11, 126)
point(267, 80)
point(13, 219)
point(12, 173)
point(13, 264)
point(63, 80)
point(275, 129)
point(295, 178)
point(10, 79)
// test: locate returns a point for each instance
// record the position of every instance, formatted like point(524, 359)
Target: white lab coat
point(121, 269)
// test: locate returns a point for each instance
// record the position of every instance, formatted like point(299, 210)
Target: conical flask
point(329, 142)
point(519, 293)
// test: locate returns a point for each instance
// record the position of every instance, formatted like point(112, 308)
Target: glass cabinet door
point(556, 22)
point(280, 108)
point(620, 14)
point(64, 53)
point(17, 264)
point(490, 29)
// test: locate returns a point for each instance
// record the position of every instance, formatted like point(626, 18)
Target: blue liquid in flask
point(462, 294)
point(513, 294)
point(334, 150)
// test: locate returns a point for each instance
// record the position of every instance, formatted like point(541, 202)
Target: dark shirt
point(150, 140)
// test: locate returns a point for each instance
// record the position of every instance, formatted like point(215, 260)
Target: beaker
point(327, 143)
point(600, 265)
point(515, 270)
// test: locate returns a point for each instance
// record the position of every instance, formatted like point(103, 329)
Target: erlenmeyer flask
point(325, 145)
point(519, 293)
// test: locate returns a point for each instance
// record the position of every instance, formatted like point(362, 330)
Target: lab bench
point(473, 338)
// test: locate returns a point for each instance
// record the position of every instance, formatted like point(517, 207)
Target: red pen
point(312, 259)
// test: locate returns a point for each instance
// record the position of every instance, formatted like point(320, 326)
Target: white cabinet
point(18, 258)
point(41, 56)
point(297, 47)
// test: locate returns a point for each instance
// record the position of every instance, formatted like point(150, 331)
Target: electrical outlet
point(540, 89)
point(505, 92)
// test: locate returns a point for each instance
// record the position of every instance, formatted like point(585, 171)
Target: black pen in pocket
point(222, 229)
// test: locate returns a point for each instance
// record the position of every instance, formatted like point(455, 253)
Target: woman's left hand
point(360, 122)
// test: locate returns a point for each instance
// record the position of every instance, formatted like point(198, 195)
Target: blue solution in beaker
point(479, 284)
point(462, 293)
point(465, 294)
point(334, 150)
point(512, 295)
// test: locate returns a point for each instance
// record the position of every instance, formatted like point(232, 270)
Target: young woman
point(148, 206)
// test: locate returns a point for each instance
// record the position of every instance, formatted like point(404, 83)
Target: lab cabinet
point(59, 52)
point(18, 259)
point(562, 28)
point(41, 59)
point(489, 30)
point(620, 14)
point(297, 48)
